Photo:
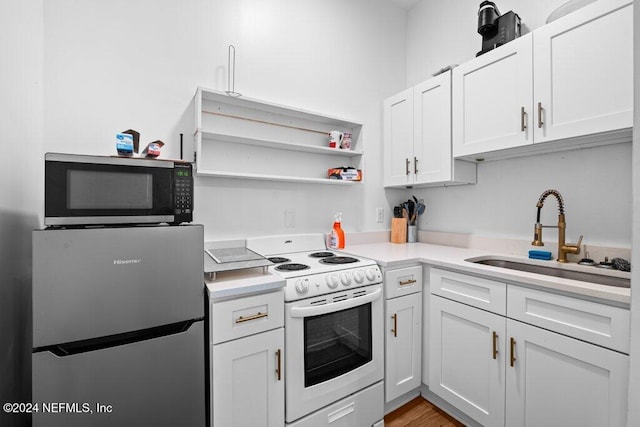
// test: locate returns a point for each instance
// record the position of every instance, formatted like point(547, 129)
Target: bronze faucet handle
point(574, 249)
point(579, 244)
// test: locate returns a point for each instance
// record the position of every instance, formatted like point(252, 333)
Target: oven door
point(334, 347)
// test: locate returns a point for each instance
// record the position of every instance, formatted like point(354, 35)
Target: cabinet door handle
point(495, 345)
point(395, 324)
point(407, 166)
point(540, 113)
point(279, 364)
point(513, 352)
point(415, 165)
point(523, 119)
point(407, 282)
point(253, 317)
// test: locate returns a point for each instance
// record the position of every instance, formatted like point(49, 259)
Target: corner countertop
point(391, 255)
point(239, 283)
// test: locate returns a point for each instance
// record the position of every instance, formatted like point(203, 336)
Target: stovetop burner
point(278, 259)
point(324, 254)
point(338, 260)
point(292, 267)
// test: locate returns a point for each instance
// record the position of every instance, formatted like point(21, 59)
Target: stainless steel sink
point(564, 273)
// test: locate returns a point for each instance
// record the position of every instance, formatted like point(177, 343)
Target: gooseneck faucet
point(563, 247)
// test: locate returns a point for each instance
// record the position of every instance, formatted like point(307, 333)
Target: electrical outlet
point(379, 215)
point(289, 218)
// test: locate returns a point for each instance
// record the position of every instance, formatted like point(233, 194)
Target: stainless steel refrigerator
point(118, 327)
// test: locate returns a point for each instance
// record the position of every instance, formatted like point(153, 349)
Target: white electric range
point(310, 269)
point(333, 331)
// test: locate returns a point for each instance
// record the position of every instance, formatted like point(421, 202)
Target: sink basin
point(565, 273)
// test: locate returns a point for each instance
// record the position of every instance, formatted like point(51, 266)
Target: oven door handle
point(335, 306)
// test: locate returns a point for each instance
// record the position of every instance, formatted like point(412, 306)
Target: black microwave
point(84, 190)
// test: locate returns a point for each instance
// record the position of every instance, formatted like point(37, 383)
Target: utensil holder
point(398, 230)
point(412, 233)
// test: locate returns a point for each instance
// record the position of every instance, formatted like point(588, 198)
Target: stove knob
point(371, 274)
point(302, 287)
point(358, 276)
point(332, 281)
point(345, 278)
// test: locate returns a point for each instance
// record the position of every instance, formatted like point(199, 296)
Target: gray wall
point(136, 65)
point(75, 73)
point(20, 193)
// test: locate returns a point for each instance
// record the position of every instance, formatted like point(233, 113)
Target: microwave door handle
point(335, 306)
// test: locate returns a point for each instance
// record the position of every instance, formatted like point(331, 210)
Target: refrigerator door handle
point(93, 344)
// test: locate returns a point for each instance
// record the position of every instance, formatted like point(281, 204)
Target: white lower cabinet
point(403, 331)
point(403, 363)
point(557, 380)
point(248, 382)
point(462, 367)
point(500, 371)
point(247, 361)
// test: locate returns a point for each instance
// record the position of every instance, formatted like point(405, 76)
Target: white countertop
point(239, 283)
point(392, 255)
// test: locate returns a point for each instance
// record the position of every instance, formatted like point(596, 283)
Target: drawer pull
point(395, 324)
point(540, 113)
point(407, 282)
point(248, 318)
point(279, 364)
point(513, 352)
point(495, 345)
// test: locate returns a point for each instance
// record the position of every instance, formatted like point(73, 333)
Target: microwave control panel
point(183, 180)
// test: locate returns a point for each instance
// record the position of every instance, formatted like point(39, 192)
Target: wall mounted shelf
point(251, 139)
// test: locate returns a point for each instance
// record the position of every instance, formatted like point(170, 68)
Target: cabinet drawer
point(241, 317)
point(600, 324)
point(475, 291)
point(403, 281)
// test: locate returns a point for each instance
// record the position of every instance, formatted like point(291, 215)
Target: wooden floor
point(419, 413)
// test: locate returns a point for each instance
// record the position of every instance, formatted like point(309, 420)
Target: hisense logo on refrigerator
point(127, 261)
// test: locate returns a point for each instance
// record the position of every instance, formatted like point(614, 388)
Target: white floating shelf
point(280, 178)
point(289, 146)
point(273, 108)
point(246, 138)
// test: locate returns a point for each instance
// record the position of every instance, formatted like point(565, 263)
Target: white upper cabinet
point(569, 81)
point(432, 129)
point(492, 100)
point(417, 137)
point(398, 138)
point(583, 68)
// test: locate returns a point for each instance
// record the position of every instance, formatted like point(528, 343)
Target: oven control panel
point(323, 283)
